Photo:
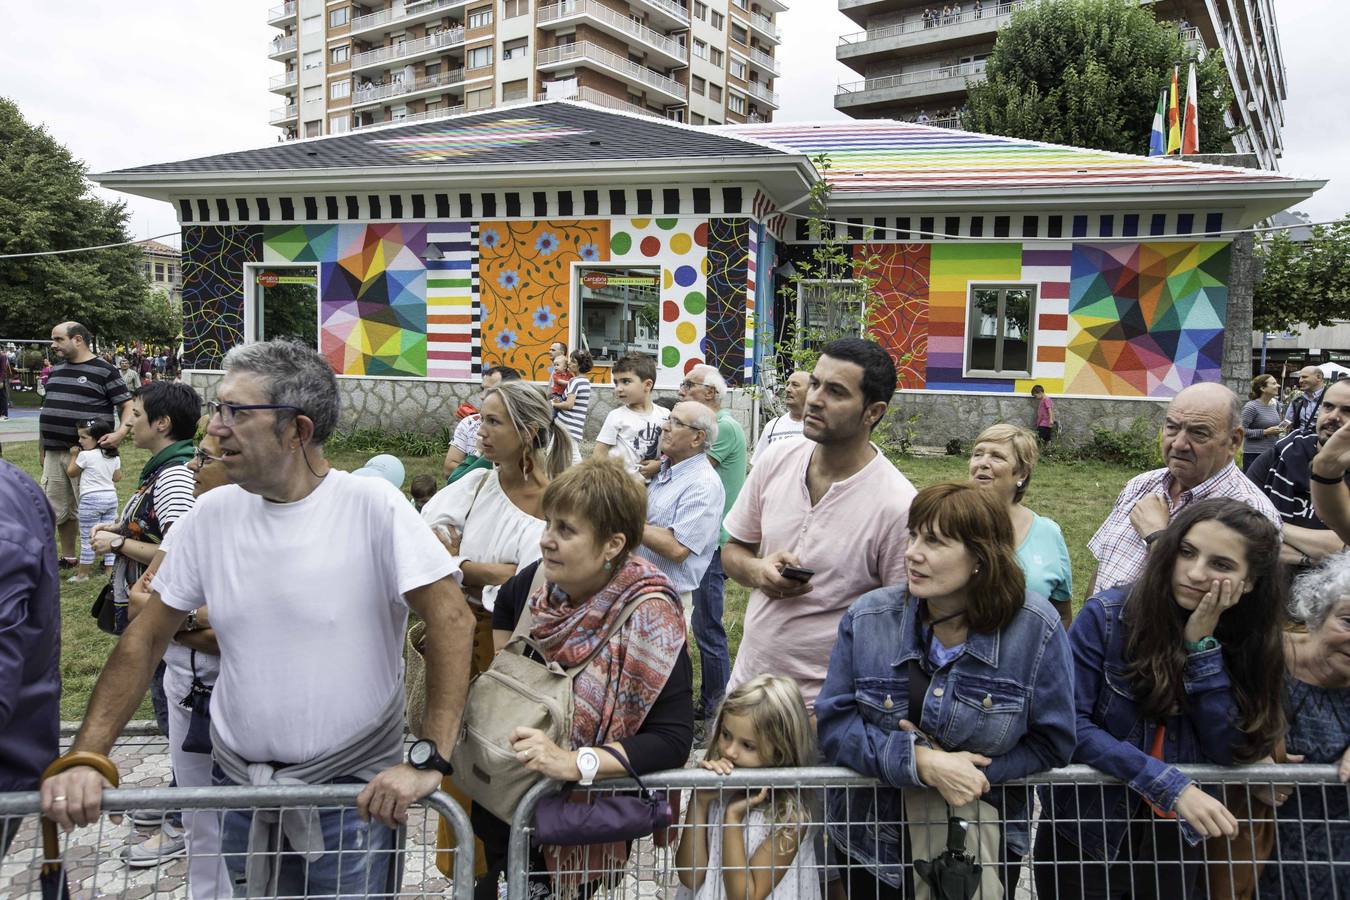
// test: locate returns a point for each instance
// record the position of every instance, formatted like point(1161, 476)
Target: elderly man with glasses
point(684, 500)
point(309, 573)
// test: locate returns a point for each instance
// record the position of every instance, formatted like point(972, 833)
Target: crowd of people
point(925, 638)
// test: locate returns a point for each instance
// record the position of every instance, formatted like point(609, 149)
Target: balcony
point(401, 87)
point(600, 98)
point(281, 115)
point(763, 26)
point(584, 52)
point(407, 51)
point(763, 61)
point(605, 19)
point(409, 14)
point(945, 82)
point(439, 113)
point(959, 30)
point(281, 83)
point(282, 45)
point(760, 92)
point(279, 14)
point(666, 13)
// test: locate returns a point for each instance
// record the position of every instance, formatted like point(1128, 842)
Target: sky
point(132, 84)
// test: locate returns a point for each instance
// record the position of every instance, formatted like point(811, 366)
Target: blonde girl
point(756, 846)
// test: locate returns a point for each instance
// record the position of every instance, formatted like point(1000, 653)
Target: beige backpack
point(516, 691)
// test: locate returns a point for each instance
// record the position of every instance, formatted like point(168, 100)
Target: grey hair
point(713, 379)
point(530, 413)
point(293, 374)
point(1317, 592)
point(706, 420)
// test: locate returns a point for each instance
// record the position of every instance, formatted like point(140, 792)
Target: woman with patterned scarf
point(635, 695)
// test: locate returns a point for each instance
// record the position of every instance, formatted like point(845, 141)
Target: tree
point(1088, 73)
point(1303, 282)
point(46, 204)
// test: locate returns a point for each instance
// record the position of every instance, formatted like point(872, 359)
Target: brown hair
point(978, 519)
point(1255, 392)
point(639, 364)
point(602, 493)
point(583, 361)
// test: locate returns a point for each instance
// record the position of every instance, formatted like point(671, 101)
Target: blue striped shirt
point(687, 498)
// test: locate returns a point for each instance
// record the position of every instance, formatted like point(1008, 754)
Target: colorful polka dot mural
point(680, 247)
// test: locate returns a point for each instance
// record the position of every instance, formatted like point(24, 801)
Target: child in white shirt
point(633, 430)
point(97, 469)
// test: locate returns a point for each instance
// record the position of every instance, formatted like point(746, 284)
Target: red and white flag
point(1190, 127)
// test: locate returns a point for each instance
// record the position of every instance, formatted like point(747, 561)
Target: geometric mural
point(372, 289)
point(213, 296)
point(899, 320)
point(1146, 319)
point(728, 268)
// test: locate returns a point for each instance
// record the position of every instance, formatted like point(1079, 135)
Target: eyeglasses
point(674, 422)
point(227, 410)
point(201, 458)
point(687, 384)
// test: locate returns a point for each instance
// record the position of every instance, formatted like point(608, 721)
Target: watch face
point(420, 753)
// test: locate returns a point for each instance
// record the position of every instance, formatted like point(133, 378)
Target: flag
point(1190, 128)
point(1173, 118)
point(1157, 141)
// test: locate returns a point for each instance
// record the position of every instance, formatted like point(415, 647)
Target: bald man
point(1302, 412)
point(1201, 436)
point(787, 428)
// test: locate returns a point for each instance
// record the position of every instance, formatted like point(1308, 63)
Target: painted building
point(437, 248)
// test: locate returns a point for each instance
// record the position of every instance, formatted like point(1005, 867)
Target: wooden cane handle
point(51, 844)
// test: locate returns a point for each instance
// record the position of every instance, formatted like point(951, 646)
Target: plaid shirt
point(1119, 549)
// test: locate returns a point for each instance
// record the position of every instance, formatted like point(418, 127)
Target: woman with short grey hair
point(1313, 820)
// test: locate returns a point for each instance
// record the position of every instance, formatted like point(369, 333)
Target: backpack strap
point(522, 628)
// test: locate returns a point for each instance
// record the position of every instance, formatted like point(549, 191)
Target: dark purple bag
point(565, 821)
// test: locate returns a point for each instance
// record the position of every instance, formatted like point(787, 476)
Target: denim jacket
point(1008, 695)
point(1114, 738)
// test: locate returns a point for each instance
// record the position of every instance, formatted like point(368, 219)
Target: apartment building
point(349, 66)
point(916, 67)
point(162, 267)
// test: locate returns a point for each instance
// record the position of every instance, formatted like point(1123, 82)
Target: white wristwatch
point(588, 761)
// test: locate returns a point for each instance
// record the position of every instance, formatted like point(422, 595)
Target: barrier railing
point(217, 852)
point(835, 828)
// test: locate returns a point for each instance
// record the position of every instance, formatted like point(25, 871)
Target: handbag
point(198, 737)
point(566, 819)
point(104, 610)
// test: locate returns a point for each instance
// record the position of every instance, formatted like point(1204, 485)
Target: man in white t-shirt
point(464, 442)
point(633, 430)
point(309, 573)
point(787, 428)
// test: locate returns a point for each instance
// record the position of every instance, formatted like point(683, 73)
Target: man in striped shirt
point(81, 387)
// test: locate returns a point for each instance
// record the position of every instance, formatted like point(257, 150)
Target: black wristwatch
point(422, 755)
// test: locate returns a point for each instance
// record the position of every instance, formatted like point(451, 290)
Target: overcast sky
point(159, 80)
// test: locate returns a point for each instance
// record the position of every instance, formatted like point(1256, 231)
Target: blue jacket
point(30, 633)
point(1114, 738)
point(1008, 695)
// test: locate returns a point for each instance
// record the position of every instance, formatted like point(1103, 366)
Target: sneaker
point(145, 818)
point(74, 579)
point(168, 844)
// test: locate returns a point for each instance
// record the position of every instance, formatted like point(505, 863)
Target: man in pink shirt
point(832, 504)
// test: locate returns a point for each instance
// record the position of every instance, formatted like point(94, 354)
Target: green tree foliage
point(1088, 73)
point(46, 204)
point(1303, 282)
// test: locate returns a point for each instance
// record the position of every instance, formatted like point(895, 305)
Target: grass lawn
point(1076, 495)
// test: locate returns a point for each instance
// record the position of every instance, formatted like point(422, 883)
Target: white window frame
point(340, 89)
point(469, 57)
point(479, 18)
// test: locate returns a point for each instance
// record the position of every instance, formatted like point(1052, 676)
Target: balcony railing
point(755, 89)
point(764, 61)
point(282, 114)
point(379, 55)
point(281, 81)
point(942, 73)
point(670, 8)
point(764, 25)
point(284, 11)
point(439, 113)
point(599, 98)
point(989, 15)
point(283, 44)
point(565, 53)
point(389, 16)
point(400, 86)
point(602, 13)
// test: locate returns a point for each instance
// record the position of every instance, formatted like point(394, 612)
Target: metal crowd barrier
point(1310, 856)
point(94, 865)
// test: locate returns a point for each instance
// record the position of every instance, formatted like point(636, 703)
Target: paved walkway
point(22, 425)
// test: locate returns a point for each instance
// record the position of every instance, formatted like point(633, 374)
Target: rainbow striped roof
point(884, 156)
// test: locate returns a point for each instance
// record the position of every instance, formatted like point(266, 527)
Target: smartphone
point(797, 573)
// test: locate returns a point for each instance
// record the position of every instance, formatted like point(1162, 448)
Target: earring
point(609, 565)
point(977, 571)
point(1021, 483)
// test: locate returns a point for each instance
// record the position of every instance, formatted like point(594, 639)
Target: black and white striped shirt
point(574, 419)
point(76, 393)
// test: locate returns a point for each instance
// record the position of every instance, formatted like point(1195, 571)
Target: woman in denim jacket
point(999, 698)
point(1183, 666)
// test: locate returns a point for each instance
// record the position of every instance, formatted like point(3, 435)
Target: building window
point(311, 25)
point(313, 94)
point(516, 90)
point(674, 115)
point(998, 330)
point(340, 54)
point(738, 69)
point(700, 11)
point(740, 35)
point(480, 99)
point(339, 89)
point(696, 119)
point(159, 271)
point(314, 129)
point(714, 92)
point(700, 48)
point(312, 60)
point(339, 17)
point(479, 57)
point(735, 103)
point(339, 124)
point(698, 85)
point(829, 309)
point(431, 69)
point(513, 8)
point(480, 17)
point(619, 310)
point(517, 48)
point(715, 56)
point(715, 19)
